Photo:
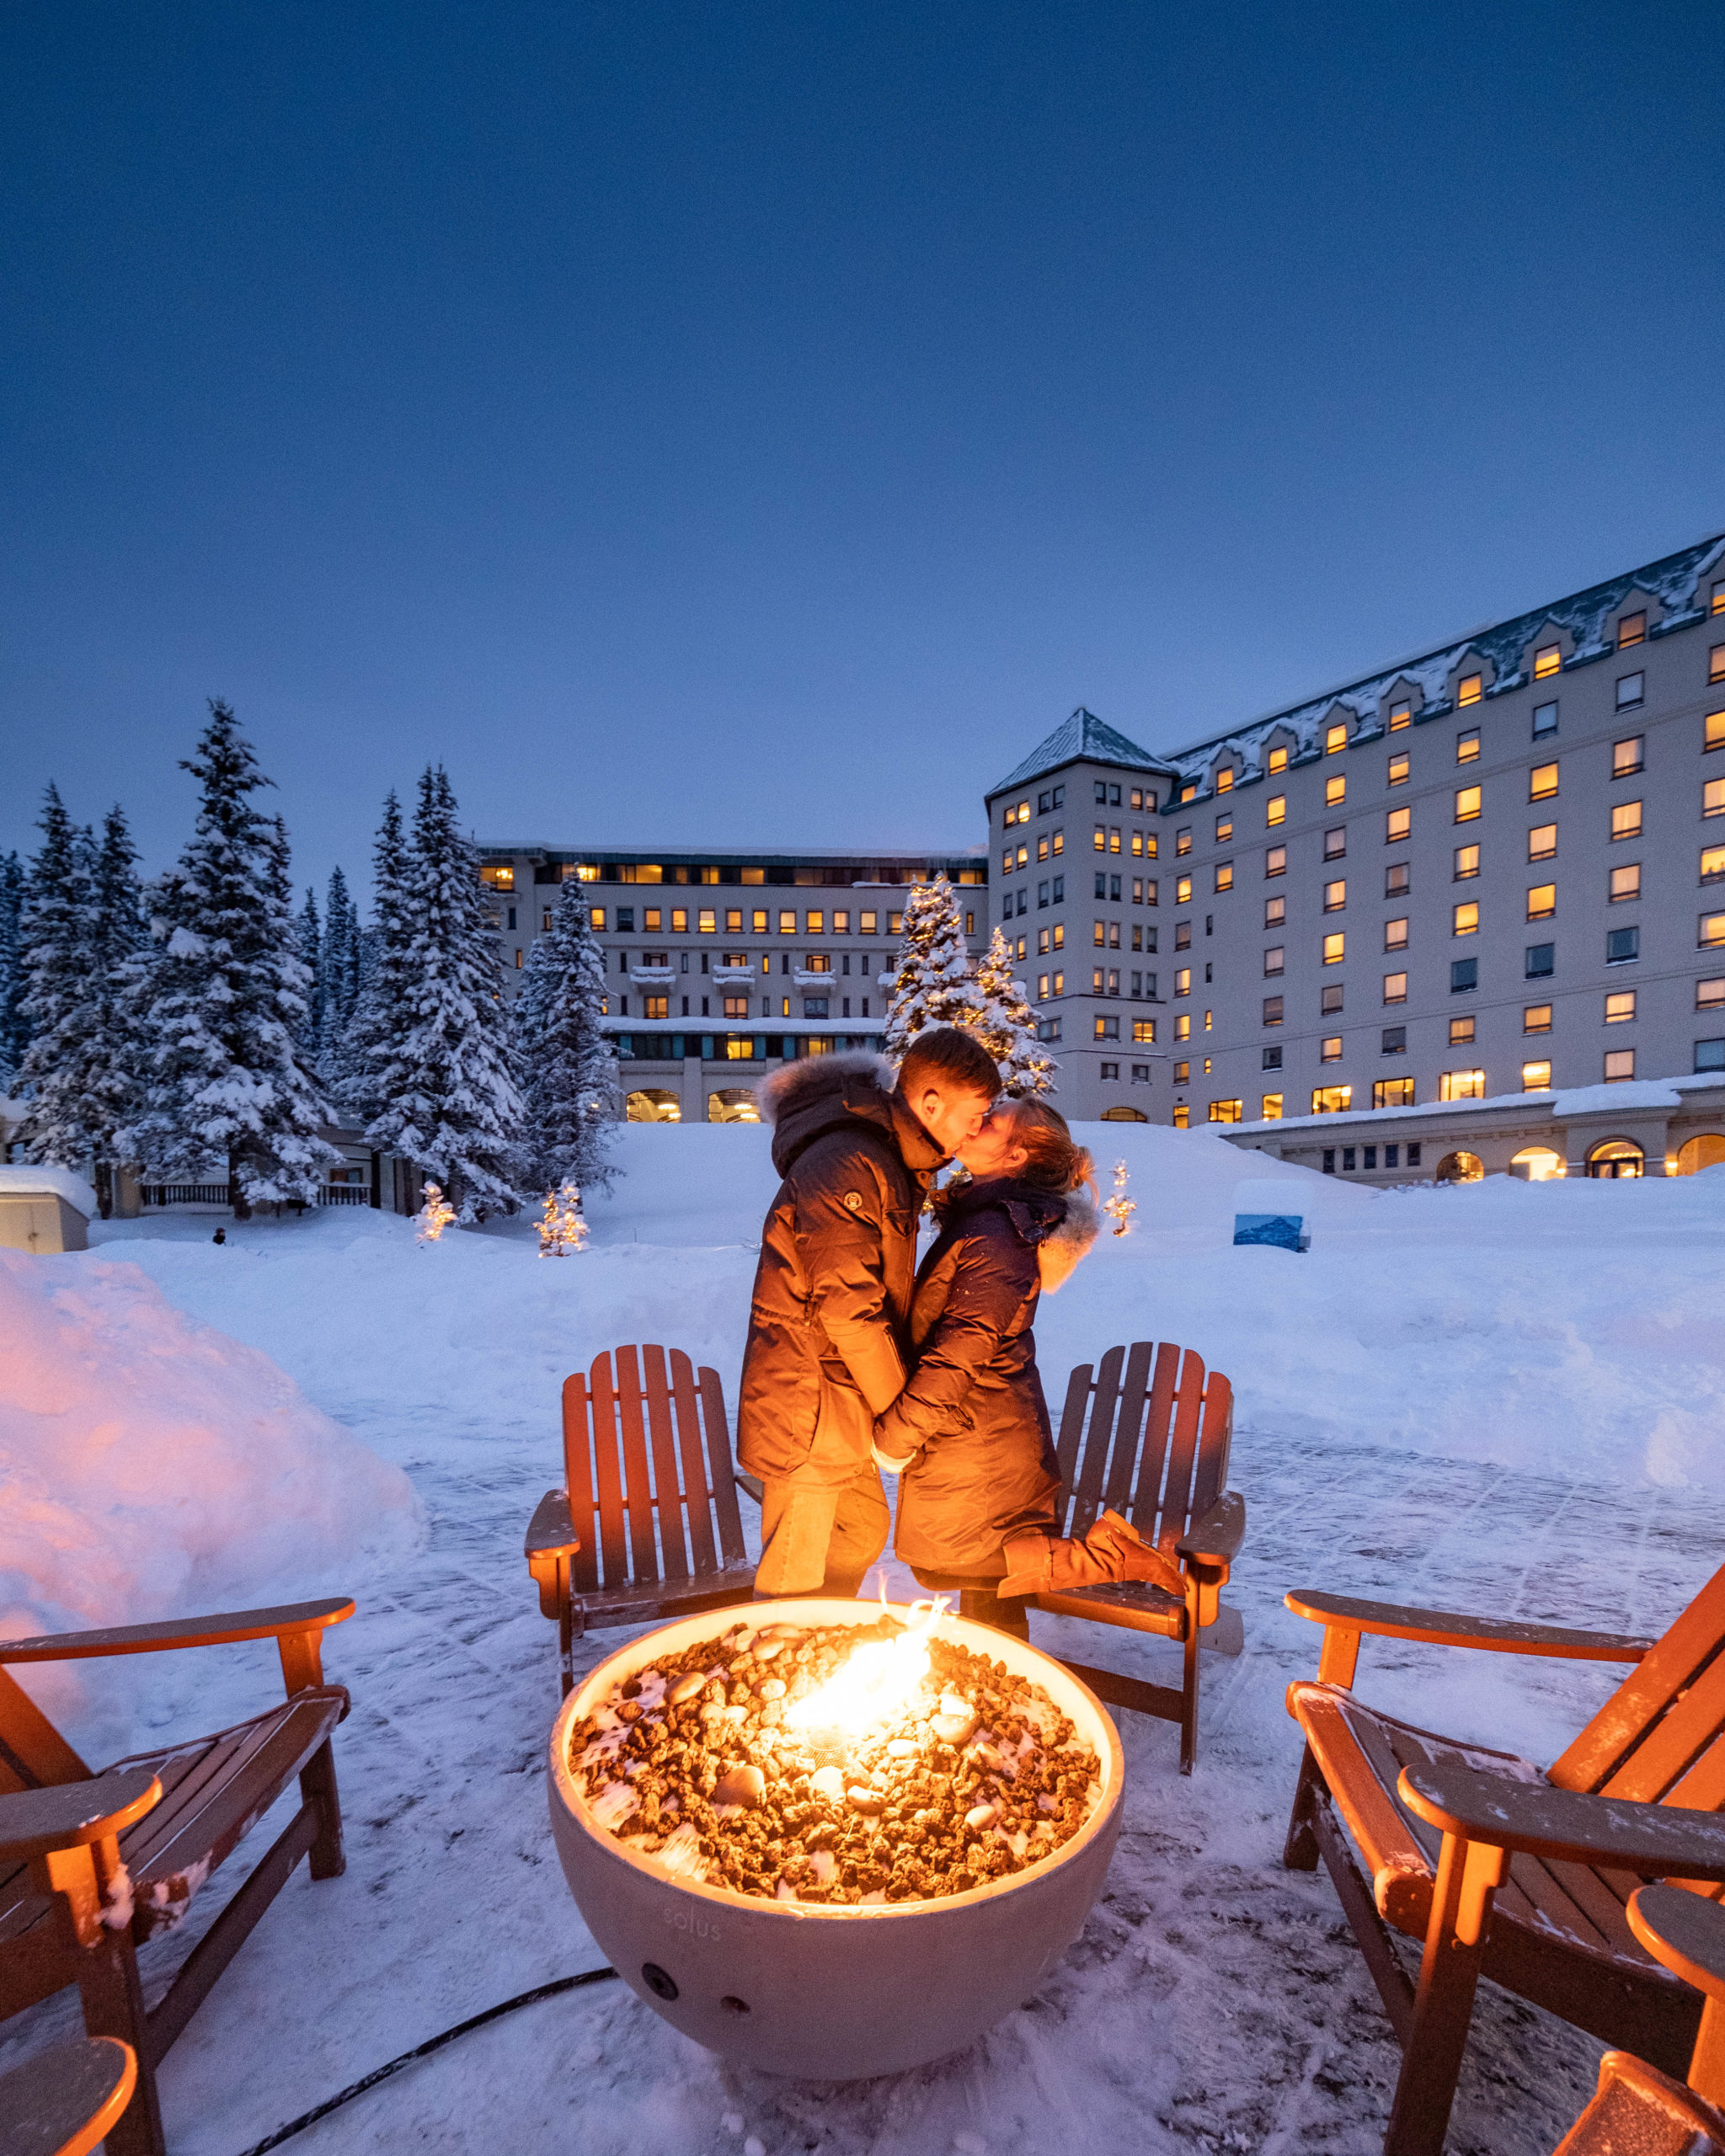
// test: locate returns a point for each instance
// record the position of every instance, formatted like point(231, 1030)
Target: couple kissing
point(860, 1361)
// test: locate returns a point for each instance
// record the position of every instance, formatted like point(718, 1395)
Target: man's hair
point(946, 1055)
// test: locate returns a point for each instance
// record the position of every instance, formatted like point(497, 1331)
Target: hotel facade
point(1491, 872)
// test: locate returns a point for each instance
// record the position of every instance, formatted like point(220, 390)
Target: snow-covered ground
point(1504, 1396)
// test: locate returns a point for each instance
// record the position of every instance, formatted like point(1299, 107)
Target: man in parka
point(832, 1293)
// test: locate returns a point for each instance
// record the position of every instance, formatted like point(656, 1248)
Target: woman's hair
point(1054, 1160)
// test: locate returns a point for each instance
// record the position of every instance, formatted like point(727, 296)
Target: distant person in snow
point(826, 1348)
point(970, 1431)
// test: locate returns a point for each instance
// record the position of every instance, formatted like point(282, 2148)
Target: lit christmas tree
point(932, 984)
point(1007, 1028)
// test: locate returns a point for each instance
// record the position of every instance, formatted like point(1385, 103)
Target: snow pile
point(57, 1183)
point(150, 1466)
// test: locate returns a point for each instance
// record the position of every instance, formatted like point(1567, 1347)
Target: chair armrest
point(1217, 1533)
point(36, 1822)
point(752, 1486)
point(1660, 1841)
point(551, 1532)
point(1684, 1931)
point(1446, 1628)
point(291, 1618)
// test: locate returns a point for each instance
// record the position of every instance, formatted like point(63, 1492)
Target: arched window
point(1461, 1167)
point(1125, 1115)
point(732, 1104)
point(1616, 1157)
point(653, 1104)
point(1695, 1154)
point(1536, 1163)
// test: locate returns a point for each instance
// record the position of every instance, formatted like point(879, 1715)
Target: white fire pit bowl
point(832, 1994)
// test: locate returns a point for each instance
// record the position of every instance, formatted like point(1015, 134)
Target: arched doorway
point(1125, 1115)
point(1536, 1163)
point(653, 1104)
point(1616, 1158)
point(1460, 1167)
point(1695, 1154)
point(732, 1104)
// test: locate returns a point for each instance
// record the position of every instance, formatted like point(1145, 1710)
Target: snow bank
point(60, 1181)
point(150, 1466)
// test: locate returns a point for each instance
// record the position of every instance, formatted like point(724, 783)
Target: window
point(1183, 981)
point(1111, 1070)
point(1272, 1058)
point(736, 1006)
point(1394, 988)
point(1716, 663)
point(1619, 1007)
point(1330, 1001)
point(1466, 863)
point(1273, 959)
point(1547, 660)
point(1224, 875)
point(498, 879)
point(1631, 628)
point(1332, 1099)
point(1398, 768)
point(1542, 902)
point(1466, 803)
point(1714, 735)
point(1542, 783)
point(1183, 890)
point(1464, 920)
point(1464, 974)
point(1182, 1027)
point(1711, 930)
point(1620, 1065)
point(1335, 740)
point(1182, 841)
point(1461, 1033)
point(1713, 797)
point(1396, 935)
point(1107, 1029)
point(1536, 1019)
point(1709, 1056)
point(1400, 715)
point(1227, 1111)
point(868, 924)
point(1182, 935)
point(1057, 844)
point(1627, 757)
point(1278, 761)
point(1335, 843)
point(1710, 995)
point(1225, 779)
point(1397, 824)
point(1467, 746)
point(1626, 883)
point(1275, 810)
point(1545, 722)
point(1713, 864)
point(1270, 1108)
point(1275, 912)
point(1462, 1085)
point(1397, 880)
point(1392, 1093)
point(655, 1007)
point(1273, 1010)
point(1335, 896)
point(1113, 838)
point(1140, 1074)
point(1144, 1031)
point(1542, 842)
point(1470, 688)
point(787, 924)
point(1329, 1050)
point(1541, 961)
point(1275, 861)
point(1182, 1115)
point(1393, 1041)
point(598, 913)
point(1629, 691)
point(1335, 791)
point(1335, 950)
point(1622, 946)
point(1535, 1077)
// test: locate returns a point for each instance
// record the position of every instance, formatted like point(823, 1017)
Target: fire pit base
point(831, 1993)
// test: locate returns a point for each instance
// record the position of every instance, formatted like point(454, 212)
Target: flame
point(876, 1682)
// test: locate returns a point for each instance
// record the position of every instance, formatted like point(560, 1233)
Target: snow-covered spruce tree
point(932, 984)
point(119, 1044)
point(14, 1027)
point(338, 970)
point(572, 1085)
point(377, 1025)
point(1007, 1029)
point(228, 1002)
point(450, 1101)
point(311, 939)
point(58, 933)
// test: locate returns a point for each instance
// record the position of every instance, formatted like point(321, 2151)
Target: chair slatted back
point(652, 1487)
point(1143, 1433)
point(1660, 1737)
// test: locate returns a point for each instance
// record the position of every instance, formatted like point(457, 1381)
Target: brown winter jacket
point(985, 1468)
point(838, 1261)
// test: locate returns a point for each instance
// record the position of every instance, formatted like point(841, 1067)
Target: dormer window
point(1470, 688)
point(1631, 628)
point(1400, 715)
point(1225, 778)
point(1547, 660)
point(1335, 740)
point(1278, 761)
point(1717, 605)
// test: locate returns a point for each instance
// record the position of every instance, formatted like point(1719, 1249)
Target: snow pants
point(819, 1537)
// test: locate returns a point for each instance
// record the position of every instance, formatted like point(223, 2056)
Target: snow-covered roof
point(1627, 1097)
point(51, 1182)
point(1082, 736)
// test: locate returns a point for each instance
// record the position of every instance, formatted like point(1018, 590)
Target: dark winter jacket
point(838, 1261)
point(986, 1467)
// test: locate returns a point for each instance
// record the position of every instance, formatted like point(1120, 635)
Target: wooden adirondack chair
point(76, 1849)
point(63, 2101)
point(1639, 2110)
point(646, 1525)
point(1153, 1445)
point(1504, 1870)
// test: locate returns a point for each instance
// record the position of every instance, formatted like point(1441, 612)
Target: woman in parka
point(971, 1430)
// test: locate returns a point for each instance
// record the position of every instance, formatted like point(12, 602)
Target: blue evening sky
point(737, 424)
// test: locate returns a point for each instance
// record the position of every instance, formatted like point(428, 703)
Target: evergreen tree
point(228, 998)
point(58, 932)
point(932, 985)
point(339, 966)
point(450, 1100)
point(572, 1085)
point(311, 939)
point(14, 1027)
point(1007, 1029)
point(120, 977)
point(377, 1025)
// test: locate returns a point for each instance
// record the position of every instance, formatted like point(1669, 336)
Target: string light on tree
point(1120, 1208)
point(562, 1228)
point(434, 1216)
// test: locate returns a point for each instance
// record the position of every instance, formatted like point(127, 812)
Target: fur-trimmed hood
point(821, 1093)
point(814, 1076)
point(1061, 1229)
point(1058, 1253)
